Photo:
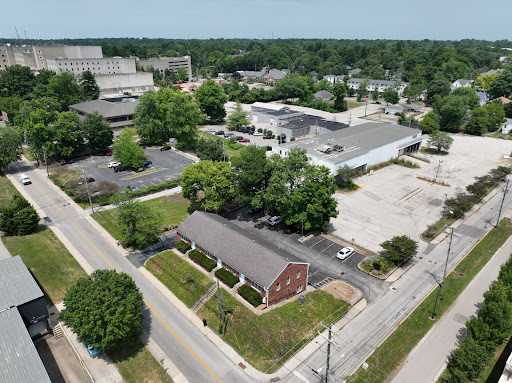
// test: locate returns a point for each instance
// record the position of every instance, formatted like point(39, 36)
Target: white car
point(210, 130)
point(113, 164)
point(345, 253)
point(24, 179)
point(257, 134)
point(275, 220)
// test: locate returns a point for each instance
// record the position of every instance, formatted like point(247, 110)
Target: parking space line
point(328, 247)
point(323, 239)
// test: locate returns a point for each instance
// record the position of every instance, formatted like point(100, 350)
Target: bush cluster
point(19, 217)
point(226, 277)
point(154, 188)
point(486, 332)
point(183, 246)
point(202, 260)
point(250, 295)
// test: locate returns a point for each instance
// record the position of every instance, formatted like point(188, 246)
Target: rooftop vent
point(324, 149)
point(338, 148)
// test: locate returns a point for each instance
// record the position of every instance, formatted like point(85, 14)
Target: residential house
point(354, 71)
point(483, 96)
point(323, 95)
point(461, 83)
point(507, 127)
point(273, 76)
point(380, 85)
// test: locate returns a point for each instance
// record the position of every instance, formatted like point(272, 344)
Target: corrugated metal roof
point(105, 108)
point(19, 360)
point(17, 286)
point(249, 254)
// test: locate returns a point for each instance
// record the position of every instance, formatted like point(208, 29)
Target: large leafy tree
point(16, 81)
point(496, 113)
point(391, 96)
point(238, 117)
point(10, 146)
point(362, 90)
point(138, 223)
point(339, 90)
point(400, 249)
point(90, 90)
point(252, 169)
point(291, 86)
point(211, 99)
point(182, 74)
point(440, 140)
point(11, 106)
point(166, 114)
point(105, 310)
point(430, 122)
point(479, 122)
point(19, 217)
point(127, 151)
point(453, 113)
point(438, 87)
point(212, 150)
point(209, 184)
point(68, 138)
point(469, 96)
point(484, 82)
point(96, 132)
point(65, 90)
point(502, 85)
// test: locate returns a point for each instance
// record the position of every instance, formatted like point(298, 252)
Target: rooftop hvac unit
point(324, 149)
point(338, 148)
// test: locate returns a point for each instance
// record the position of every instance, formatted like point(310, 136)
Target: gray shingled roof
point(105, 108)
point(323, 94)
point(372, 82)
point(249, 254)
point(17, 286)
point(356, 140)
point(19, 360)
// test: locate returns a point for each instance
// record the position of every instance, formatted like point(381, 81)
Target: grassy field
point(51, 263)
point(174, 209)
point(7, 190)
point(259, 338)
point(230, 148)
point(388, 357)
point(136, 364)
point(354, 104)
point(429, 234)
point(184, 280)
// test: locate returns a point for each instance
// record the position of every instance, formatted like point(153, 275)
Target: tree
point(211, 99)
point(362, 90)
point(16, 81)
point(96, 132)
point(167, 113)
point(19, 217)
point(209, 184)
point(10, 146)
point(479, 122)
point(440, 87)
point(496, 113)
point(469, 96)
point(65, 90)
point(126, 150)
point(508, 110)
point(440, 140)
point(375, 95)
point(400, 249)
point(339, 91)
point(66, 134)
point(402, 119)
point(212, 150)
point(238, 117)
point(182, 74)
point(138, 223)
point(251, 169)
point(453, 113)
point(105, 310)
point(391, 96)
point(292, 86)
point(430, 123)
point(459, 204)
point(90, 90)
point(484, 82)
point(469, 358)
point(344, 174)
point(502, 85)
point(351, 92)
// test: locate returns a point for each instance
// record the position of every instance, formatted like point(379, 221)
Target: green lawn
point(259, 338)
point(388, 357)
point(354, 104)
point(51, 263)
point(136, 364)
point(437, 228)
point(184, 280)
point(230, 148)
point(7, 190)
point(174, 209)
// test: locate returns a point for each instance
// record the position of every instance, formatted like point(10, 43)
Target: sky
point(263, 19)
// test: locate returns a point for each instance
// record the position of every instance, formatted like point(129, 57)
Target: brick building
point(273, 272)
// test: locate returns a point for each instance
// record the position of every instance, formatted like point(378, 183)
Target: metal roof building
point(118, 114)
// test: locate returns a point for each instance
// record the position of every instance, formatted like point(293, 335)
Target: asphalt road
point(195, 356)
point(359, 338)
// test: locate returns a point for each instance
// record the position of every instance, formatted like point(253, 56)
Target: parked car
point(119, 168)
point(244, 140)
point(65, 162)
point(131, 188)
point(25, 180)
point(257, 134)
point(268, 137)
point(345, 253)
point(219, 133)
point(254, 210)
point(377, 102)
point(229, 135)
point(88, 180)
point(210, 130)
point(148, 163)
point(275, 220)
point(238, 138)
point(113, 164)
point(241, 129)
point(107, 154)
point(142, 145)
point(290, 230)
point(93, 352)
point(165, 147)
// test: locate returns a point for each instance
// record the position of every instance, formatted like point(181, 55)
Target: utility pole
point(365, 107)
point(87, 188)
point(501, 206)
point(329, 341)
point(45, 162)
point(437, 173)
point(444, 275)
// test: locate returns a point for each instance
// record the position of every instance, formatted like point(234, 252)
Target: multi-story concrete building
point(163, 63)
point(380, 85)
point(97, 66)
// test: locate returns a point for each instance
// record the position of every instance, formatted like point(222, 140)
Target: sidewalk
point(428, 359)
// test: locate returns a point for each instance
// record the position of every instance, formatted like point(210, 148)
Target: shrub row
point(154, 188)
point(202, 260)
point(226, 277)
point(250, 295)
point(183, 246)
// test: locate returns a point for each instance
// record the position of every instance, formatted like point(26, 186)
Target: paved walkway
point(4, 253)
point(428, 359)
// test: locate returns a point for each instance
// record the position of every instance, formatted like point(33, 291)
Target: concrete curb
point(105, 234)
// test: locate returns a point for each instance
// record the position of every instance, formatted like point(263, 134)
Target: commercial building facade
point(380, 85)
point(118, 112)
point(97, 66)
point(172, 63)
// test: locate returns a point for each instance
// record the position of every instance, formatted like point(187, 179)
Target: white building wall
point(97, 66)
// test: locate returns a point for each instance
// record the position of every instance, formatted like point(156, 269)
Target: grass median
point(387, 359)
point(51, 263)
point(7, 190)
point(262, 339)
point(183, 279)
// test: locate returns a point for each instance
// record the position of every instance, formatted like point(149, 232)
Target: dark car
point(142, 145)
point(269, 148)
point(377, 102)
point(268, 137)
point(219, 133)
point(119, 168)
point(290, 230)
point(241, 129)
point(88, 179)
point(166, 147)
point(254, 210)
point(238, 138)
point(64, 162)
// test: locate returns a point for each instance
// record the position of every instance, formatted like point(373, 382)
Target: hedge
point(250, 295)
point(154, 188)
point(202, 260)
point(183, 246)
point(226, 277)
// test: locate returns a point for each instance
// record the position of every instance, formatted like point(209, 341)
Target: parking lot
point(166, 165)
point(317, 250)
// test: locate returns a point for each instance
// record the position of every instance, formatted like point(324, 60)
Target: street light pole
point(87, 188)
point(501, 206)
point(45, 162)
point(441, 286)
point(437, 173)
